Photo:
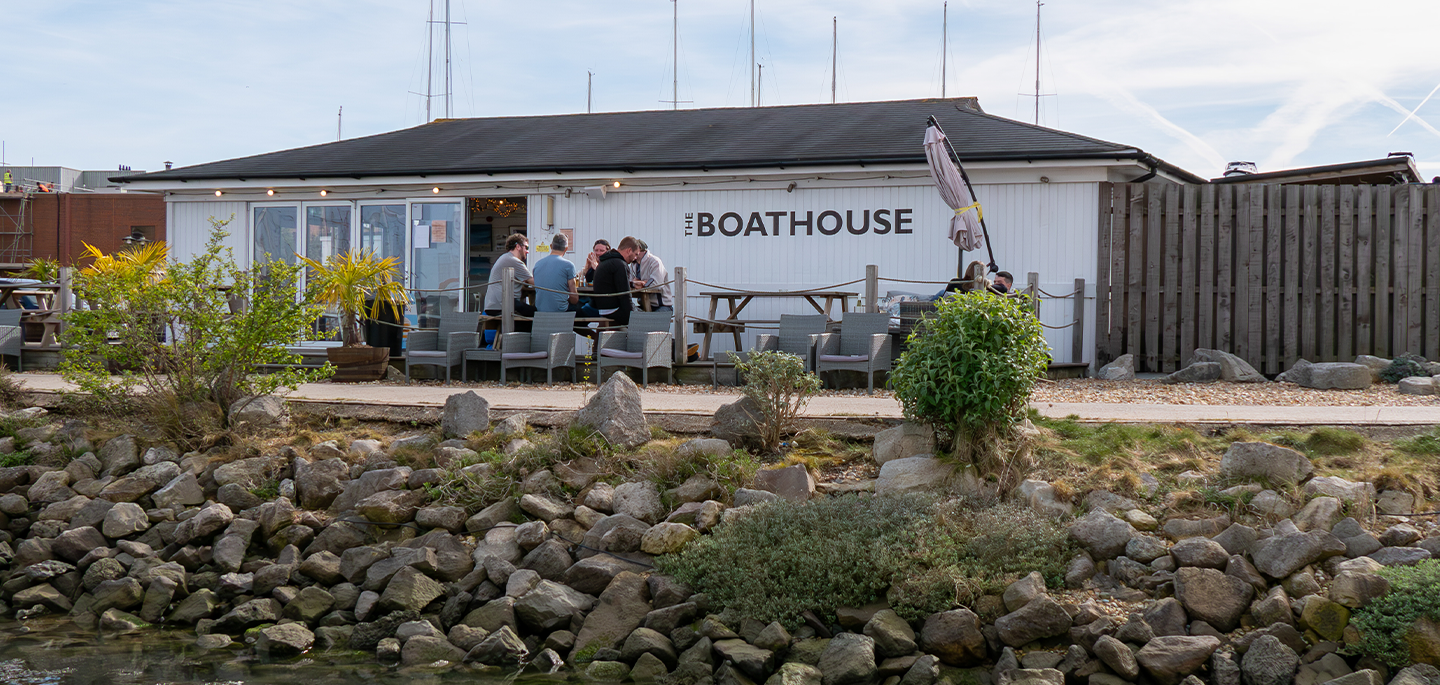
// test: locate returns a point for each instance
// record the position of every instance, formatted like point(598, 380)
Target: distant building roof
point(1390, 170)
point(696, 139)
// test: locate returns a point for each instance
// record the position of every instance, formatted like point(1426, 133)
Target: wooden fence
point(1272, 273)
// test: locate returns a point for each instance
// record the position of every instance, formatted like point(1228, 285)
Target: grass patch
point(1426, 444)
point(1385, 624)
point(18, 458)
point(786, 557)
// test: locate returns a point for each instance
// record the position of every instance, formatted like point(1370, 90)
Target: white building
point(770, 198)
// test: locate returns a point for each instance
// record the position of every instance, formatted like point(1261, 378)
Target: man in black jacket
point(611, 276)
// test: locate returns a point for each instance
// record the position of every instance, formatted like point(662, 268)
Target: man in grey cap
point(651, 273)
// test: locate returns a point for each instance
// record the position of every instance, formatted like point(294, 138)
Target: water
point(54, 651)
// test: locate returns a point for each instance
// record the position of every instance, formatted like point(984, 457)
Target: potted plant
point(354, 282)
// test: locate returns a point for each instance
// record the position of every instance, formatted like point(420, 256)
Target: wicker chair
point(863, 344)
point(796, 336)
point(445, 347)
point(549, 345)
point(12, 336)
point(646, 342)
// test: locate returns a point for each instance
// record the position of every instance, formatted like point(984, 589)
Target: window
point(275, 228)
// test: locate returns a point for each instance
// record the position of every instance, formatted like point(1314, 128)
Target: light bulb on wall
point(217, 193)
point(435, 190)
point(270, 192)
point(617, 184)
point(323, 193)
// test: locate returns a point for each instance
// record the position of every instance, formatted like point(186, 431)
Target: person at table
point(612, 279)
point(592, 260)
point(652, 274)
point(553, 273)
point(517, 247)
point(1003, 282)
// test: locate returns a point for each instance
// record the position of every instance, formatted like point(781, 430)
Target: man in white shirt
point(650, 273)
point(517, 248)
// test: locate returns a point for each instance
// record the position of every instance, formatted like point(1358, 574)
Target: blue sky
point(1282, 83)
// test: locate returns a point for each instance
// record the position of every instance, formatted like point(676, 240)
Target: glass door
point(327, 233)
point(274, 232)
point(437, 274)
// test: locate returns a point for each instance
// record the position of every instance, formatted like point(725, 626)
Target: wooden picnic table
point(737, 300)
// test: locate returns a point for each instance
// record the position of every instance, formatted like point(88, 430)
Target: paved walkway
point(705, 403)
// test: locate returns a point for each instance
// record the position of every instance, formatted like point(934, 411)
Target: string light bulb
point(217, 193)
point(617, 184)
point(323, 193)
point(435, 190)
point(270, 192)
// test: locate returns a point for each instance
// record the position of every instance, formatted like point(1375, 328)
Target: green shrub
point(18, 458)
point(1403, 366)
point(160, 336)
point(786, 557)
point(1385, 623)
point(779, 384)
point(1427, 443)
point(971, 368)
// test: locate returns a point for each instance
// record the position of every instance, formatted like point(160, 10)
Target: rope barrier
point(1056, 328)
point(904, 280)
point(648, 290)
point(810, 291)
point(1056, 297)
point(739, 323)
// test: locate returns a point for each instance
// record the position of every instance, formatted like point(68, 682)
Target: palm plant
point(353, 282)
point(146, 262)
point(43, 270)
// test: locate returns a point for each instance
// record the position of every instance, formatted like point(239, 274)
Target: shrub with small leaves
point(779, 384)
point(971, 368)
point(1385, 624)
point(1404, 366)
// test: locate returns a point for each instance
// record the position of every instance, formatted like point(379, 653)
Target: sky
point(1282, 83)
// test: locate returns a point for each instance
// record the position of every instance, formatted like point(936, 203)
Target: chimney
point(168, 165)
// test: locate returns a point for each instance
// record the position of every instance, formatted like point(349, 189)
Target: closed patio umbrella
point(967, 227)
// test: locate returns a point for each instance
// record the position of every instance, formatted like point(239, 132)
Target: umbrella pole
point(955, 157)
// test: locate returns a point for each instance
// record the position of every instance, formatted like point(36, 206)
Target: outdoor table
point(737, 300)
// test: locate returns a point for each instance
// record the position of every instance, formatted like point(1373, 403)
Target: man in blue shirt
point(556, 273)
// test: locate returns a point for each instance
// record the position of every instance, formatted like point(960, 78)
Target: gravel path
point(1223, 394)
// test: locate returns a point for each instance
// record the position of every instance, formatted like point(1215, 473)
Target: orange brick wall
point(64, 222)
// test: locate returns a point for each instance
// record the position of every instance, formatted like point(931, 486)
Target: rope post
point(872, 287)
point(67, 275)
point(1032, 285)
point(1077, 332)
point(677, 290)
point(507, 301)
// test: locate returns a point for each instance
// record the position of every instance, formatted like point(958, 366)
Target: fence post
point(67, 275)
point(507, 303)
point(677, 290)
point(1032, 285)
point(872, 287)
point(1077, 331)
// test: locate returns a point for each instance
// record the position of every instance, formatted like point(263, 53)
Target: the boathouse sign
point(828, 222)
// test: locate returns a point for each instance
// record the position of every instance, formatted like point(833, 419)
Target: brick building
point(81, 207)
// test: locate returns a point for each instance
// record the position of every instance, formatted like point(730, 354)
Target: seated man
point(556, 273)
point(612, 279)
point(1003, 282)
point(652, 273)
point(517, 247)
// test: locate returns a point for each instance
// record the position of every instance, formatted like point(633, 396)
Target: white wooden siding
point(188, 228)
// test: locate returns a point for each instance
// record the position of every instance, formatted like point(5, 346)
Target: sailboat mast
point(675, 57)
point(752, 53)
point(589, 88)
point(429, 61)
point(944, 44)
point(1038, 4)
point(449, 84)
point(759, 83)
point(834, 54)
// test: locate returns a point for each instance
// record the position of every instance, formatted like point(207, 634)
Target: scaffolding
point(17, 229)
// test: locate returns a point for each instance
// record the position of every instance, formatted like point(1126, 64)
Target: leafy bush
point(1385, 623)
point(779, 384)
point(1403, 366)
point(9, 388)
point(786, 557)
point(161, 337)
point(971, 368)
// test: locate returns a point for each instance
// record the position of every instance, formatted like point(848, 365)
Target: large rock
point(1279, 556)
point(410, 590)
point(141, 482)
point(1198, 372)
point(1330, 375)
point(72, 545)
point(1041, 617)
point(849, 659)
point(317, 484)
point(616, 414)
point(905, 440)
point(125, 519)
point(1041, 497)
point(464, 413)
point(249, 473)
point(892, 635)
point(1269, 662)
point(1212, 596)
point(1169, 659)
point(1232, 368)
point(182, 491)
point(793, 482)
point(392, 506)
point(1264, 461)
point(1122, 369)
point(621, 609)
point(551, 606)
point(913, 474)
point(737, 423)
point(118, 456)
point(501, 647)
point(639, 500)
point(285, 639)
point(370, 483)
point(755, 663)
point(1103, 535)
point(1117, 656)
point(428, 649)
point(263, 411)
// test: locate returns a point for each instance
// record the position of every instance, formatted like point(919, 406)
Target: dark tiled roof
point(847, 133)
point(1390, 170)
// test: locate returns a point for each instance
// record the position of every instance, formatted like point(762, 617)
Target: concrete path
point(705, 403)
